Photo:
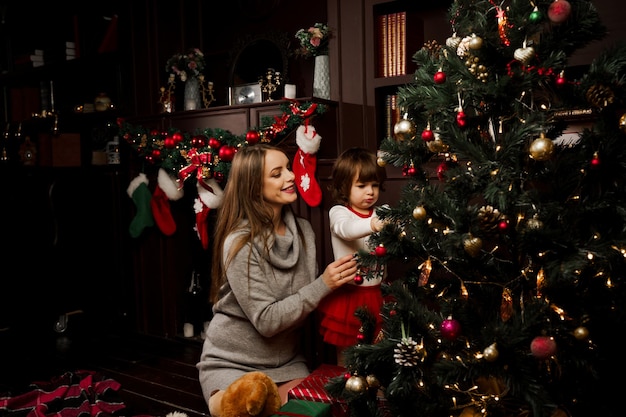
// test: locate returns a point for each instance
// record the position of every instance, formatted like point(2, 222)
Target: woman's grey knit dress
point(257, 321)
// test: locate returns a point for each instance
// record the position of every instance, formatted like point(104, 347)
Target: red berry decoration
point(439, 77)
point(450, 329)
point(252, 137)
point(380, 250)
point(428, 135)
point(156, 153)
point(542, 347)
point(227, 153)
point(503, 225)
point(214, 143)
point(358, 279)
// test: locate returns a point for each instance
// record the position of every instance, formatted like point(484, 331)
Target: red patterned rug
point(73, 394)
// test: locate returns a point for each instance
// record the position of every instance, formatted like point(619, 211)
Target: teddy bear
point(252, 395)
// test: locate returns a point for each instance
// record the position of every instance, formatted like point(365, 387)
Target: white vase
point(321, 77)
point(192, 94)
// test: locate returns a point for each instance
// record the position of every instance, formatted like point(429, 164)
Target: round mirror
point(254, 55)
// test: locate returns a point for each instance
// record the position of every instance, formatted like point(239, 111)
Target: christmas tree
point(510, 233)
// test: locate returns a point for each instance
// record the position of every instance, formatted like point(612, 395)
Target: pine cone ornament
point(409, 353)
point(600, 95)
point(489, 219)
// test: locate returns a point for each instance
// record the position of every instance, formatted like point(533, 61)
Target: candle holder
point(269, 83)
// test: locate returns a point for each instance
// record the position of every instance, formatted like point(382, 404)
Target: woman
point(265, 277)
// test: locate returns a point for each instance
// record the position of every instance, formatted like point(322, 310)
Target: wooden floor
point(157, 376)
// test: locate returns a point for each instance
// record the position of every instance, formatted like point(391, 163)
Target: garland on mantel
point(208, 152)
point(205, 155)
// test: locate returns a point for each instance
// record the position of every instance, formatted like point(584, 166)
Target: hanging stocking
point(209, 197)
point(166, 189)
point(305, 164)
point(139, 192)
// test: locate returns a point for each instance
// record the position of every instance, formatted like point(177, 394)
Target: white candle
point(188, 330)
point(190, 105)
point(290, 91)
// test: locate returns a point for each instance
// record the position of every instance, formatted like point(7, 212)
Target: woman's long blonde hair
point(242, 206)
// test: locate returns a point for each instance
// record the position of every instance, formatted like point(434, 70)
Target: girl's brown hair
point(351, 162)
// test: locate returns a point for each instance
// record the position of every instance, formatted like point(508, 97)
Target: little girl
point(356, 182)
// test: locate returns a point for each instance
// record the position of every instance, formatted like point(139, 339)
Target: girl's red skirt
point(339, 326)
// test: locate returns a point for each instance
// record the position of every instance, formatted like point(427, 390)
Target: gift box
point(302, 408)
point(312, 389)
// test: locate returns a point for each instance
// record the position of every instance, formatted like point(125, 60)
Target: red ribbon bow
point(196, 162)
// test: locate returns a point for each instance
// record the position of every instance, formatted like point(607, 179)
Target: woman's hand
point(340, 272)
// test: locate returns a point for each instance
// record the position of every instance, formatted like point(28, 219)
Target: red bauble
point(154, 133)
point(227, 153)
point(503, 225)
point(560, 81)
point(542, 347)
point(252, 137)
point(450, 329)
point(169, 142)
point(441, 171)
point(428, 135)
point(439, 77)
point(360, 337)
point(461, 118)
point(358, 279)
point(380, 250)
point(178, 137)
point(214, 143)
point(595, 161)
point(559, 11)
point(219, 176)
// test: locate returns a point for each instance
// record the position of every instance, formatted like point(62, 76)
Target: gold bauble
point(491, 353)
point(436, 145)
point(542, 148)
point(372, 382)
point(472, 245)
point(471, 411)
point(356, 384)
point(476, 42)
point(534, 223)
point(381, 162)
point(581, 333)
point(622, 123)
point(419, 213)
point(404, 130)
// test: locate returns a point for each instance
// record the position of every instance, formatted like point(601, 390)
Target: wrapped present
point(302, 408)
point(312, 389)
